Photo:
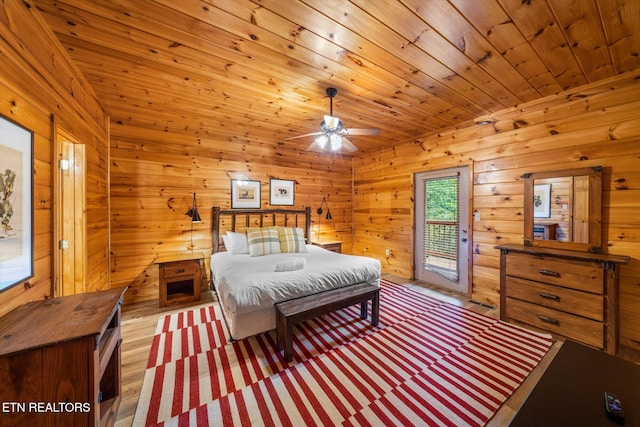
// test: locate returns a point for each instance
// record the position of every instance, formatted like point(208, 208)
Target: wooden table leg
point(375, 308)
point(288, 340)
point(363, 309)
point(279, 330)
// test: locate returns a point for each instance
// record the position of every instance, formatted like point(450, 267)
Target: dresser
point(568, 293)
point(60, 361)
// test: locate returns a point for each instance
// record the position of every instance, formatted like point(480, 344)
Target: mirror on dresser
point(563, 209)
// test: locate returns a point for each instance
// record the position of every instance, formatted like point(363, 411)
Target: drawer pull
point(549, 273)
point(548, 319)
point(549, 296)
point(180, 270)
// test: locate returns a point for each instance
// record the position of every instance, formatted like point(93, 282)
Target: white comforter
point(246, 283)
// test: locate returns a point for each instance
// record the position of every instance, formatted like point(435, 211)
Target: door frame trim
point(470, 212)
point(56, 179)
point(59, 133)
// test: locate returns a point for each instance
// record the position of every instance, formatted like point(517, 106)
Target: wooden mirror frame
point(595, 209)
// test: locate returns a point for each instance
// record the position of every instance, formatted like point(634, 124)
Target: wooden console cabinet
point(569, 293)
point(180, 277)
point(60, 361)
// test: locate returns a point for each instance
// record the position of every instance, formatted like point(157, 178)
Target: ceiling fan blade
point(315, 147)
point(348, 145)
point(332, 136)
point(303, 136)
point(363, 131)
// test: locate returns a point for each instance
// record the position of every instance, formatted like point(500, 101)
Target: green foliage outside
point(441, 197)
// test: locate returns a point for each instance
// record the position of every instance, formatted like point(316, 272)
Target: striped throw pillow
point(263, 241)
point(291, 239)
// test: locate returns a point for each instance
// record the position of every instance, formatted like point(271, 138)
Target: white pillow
point(225, 242)
point(237, 243)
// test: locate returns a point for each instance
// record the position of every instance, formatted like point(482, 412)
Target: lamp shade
point(193, 212)
point(336, 141)
point(320, 211)
point(195, 216)
point(333, 123)
point(322, 141)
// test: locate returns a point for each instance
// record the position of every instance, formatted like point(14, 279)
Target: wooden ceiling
point(250, 72)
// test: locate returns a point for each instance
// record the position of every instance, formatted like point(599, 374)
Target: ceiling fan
point(333, 134)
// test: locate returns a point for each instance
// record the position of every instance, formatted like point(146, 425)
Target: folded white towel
point(291, 264)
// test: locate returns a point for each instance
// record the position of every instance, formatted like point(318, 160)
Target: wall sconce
point(195, 218)
point(324, 202)
point(193, 212)
point(320, 211)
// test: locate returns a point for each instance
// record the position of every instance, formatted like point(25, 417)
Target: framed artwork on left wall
point(245, 194)
point(16, 203)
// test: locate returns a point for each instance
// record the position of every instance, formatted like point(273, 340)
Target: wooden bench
point(291, 312)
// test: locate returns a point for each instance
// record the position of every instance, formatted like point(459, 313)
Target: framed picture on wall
point(245, 194)
point(16, 204)
point(542, 201)
point(281, 192)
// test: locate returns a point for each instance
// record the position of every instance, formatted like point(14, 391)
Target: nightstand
point(330, 245)
point(180, 277)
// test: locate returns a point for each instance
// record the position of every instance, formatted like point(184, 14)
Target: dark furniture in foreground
point(571, 391)
point(60, 361)
point(289, 313)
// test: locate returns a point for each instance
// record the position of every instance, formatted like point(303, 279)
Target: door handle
point(464, 240)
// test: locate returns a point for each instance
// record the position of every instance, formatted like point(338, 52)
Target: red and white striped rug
point(427, 362)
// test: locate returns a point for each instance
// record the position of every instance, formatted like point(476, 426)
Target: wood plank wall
point(154, 175)
point(38, 81)
point(599, 124)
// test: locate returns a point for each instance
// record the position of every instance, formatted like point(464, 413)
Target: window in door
point(441, 253)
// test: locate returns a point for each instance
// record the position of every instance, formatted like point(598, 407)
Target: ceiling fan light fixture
point(322, 141)
point(332, 132)
point(331, 122)
point(336, 141)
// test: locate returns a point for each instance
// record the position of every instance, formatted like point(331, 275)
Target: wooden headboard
point(245, 218)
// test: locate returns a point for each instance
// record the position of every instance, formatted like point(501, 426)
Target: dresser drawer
point(585, 276)
point(568, 300)
point(179, 268)
point(578, 328)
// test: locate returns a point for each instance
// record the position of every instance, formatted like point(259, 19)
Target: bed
point(247, 284)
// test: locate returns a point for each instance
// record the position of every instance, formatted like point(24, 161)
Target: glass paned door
point(441, 252)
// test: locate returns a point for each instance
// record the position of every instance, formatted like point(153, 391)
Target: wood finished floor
point(139, 323)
